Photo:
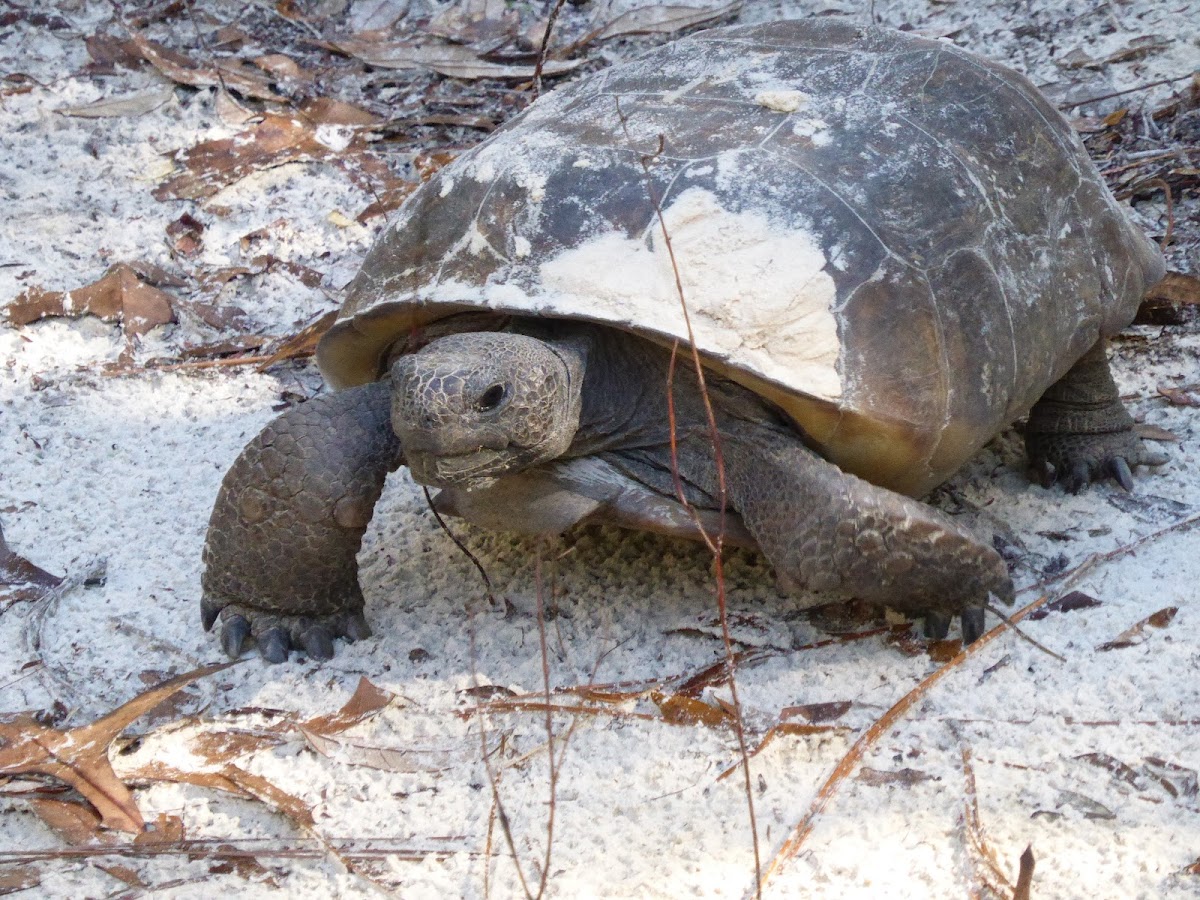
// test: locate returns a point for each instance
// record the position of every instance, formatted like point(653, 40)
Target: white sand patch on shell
point(781, 101)
point(752, 287)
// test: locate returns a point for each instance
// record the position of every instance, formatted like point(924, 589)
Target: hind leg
point(1080, 432)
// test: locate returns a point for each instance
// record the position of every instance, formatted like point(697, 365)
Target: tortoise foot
point(937, 625)
point(277, 635)
point(1077, 460)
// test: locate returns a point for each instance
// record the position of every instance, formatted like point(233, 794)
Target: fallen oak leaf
point(1133, 636)
point(74, 822)
point(1188, 395)
point(115, 107)
point(1071, 602)
point(186, 235)
point(451, 60)
point(212, 166)
point(680, 709)
point(817, 712)
point(880, 777)
point(119, 296)
point(365, 702)
point(328, 111)
point(404, 760)
point(19, 878)
point(229, 72)
point(1178, 781)
point(15, 569)
point(79, 756)
point(657, 19)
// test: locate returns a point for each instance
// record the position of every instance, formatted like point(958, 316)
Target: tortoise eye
point(492, 398)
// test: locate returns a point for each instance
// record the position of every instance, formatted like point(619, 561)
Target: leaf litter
point(258, 71)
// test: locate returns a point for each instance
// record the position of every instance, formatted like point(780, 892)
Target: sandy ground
point(109, 479)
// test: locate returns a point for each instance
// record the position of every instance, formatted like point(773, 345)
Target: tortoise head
point(469, 408)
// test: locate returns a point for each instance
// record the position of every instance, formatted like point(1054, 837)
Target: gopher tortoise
point(889, 249)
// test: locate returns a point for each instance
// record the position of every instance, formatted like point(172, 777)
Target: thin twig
point(1003, 617)
point(551, 762)
point(715, 546)
point(984, 856)
point(1132, 90)
point(487, 582)
point(544, 48)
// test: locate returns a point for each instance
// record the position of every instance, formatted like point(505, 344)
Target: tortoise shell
point(899, 244)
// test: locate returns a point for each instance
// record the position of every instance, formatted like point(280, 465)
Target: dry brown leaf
point(79, 756)
point(374, 15)
point(656, 19)
point(906, 776)
point(396, 191)
point(221, 747)
point(283, 67)
point(451, 60)
point(1178, 781)
point(185, 233)
point(327, 111)
point(406, 760)
point(109, 52)
point(944, 650)
point(261, 789)
point(303, 343)
point(1187, 395)
point(1156, 433)
point(120, 296)
point(679, 709)
point(1132, 636)
point(17, 570)
point(366, 701)
point(1119, 770)
point(127, 875)
point(114, 107)
point(817, 712)
point(229, 72)
point(19, 878)
point(475, 22)
point(75, 823)
point(211, 166)
point(1071, 602)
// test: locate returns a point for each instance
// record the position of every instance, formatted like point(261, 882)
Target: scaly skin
point(1080, 432)
point(280, 551)
point(826, 531)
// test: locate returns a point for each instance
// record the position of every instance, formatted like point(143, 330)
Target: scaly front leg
point(830, 532)
point(280, 555)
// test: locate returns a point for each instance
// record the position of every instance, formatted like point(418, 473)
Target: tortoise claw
point(937, 625)
point(1119, 469)
point(974, 624)
point(208, 613)
point(234, 634)
point(318, 642)
point(355, 627)
point(1079, 477)
point(273, 645)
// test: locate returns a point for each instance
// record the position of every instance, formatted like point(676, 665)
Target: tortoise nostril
point(492, 398)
